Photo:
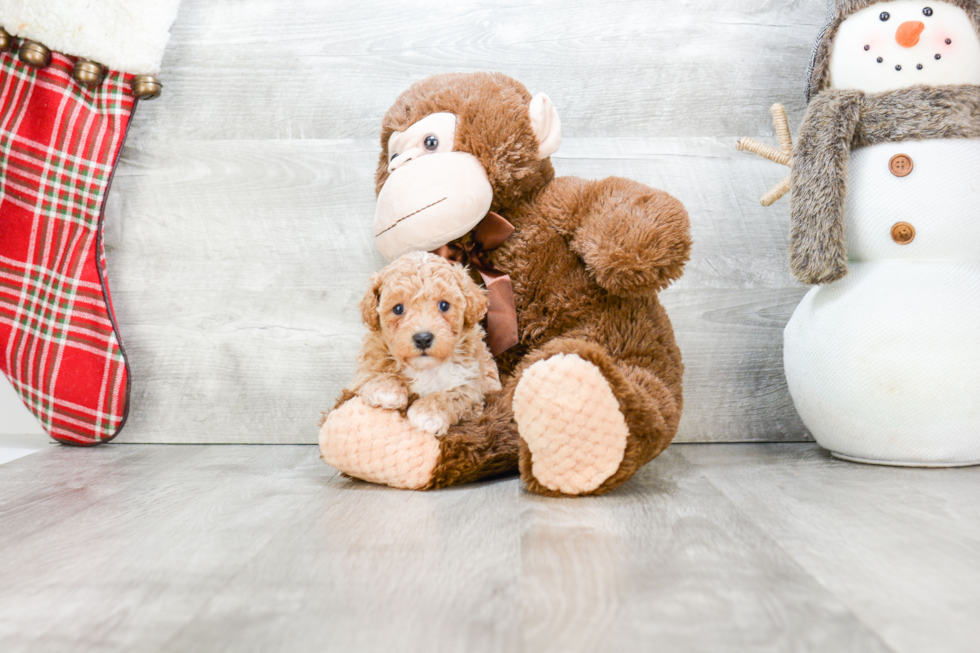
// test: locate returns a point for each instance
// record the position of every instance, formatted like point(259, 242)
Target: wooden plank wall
point(239, 223)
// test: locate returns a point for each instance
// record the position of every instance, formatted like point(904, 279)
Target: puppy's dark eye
point(398, 309)
point(443, 306)
point(431, 143)
point(927, 11)
point(884, 16)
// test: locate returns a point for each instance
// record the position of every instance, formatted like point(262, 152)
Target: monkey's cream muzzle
point(429, 201)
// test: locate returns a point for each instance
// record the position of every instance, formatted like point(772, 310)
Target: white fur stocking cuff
point(124, 35)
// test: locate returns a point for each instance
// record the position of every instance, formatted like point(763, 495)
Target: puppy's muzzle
point(423, 340)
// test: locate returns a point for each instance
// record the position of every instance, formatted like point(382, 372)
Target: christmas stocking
point(63, 120)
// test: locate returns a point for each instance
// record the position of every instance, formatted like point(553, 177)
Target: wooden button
point(900, 165)
point(903, 233)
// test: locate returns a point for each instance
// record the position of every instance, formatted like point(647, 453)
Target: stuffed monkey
point(590, 370)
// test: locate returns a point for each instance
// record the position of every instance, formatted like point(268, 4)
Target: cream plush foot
point(570, 420)
point(379, 446)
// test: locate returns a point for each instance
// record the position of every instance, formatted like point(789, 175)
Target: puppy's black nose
point(423, 340)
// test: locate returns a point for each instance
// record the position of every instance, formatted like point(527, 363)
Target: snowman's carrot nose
point(908, 33)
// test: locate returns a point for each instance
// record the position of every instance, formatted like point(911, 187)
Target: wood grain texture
point(368, 569)
point(206, 548)
point(237, 267)
point(669, 562)
point(257, 69)
point(756, 547)
point(239, 223)
point(899, 546)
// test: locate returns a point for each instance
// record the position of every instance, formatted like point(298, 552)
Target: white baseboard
point(15, 419)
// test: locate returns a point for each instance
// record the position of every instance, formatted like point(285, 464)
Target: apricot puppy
point(423, 314)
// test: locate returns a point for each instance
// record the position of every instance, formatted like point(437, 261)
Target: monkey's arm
point(632, 238)
point(818, 248)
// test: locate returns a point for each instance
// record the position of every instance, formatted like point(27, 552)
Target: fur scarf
point(837, 121)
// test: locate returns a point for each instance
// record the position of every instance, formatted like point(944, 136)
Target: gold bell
point(6, 40)
point(146, 87)
point(34, 54)
point(89, 73)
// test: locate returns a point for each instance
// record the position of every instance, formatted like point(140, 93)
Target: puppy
point(423, 314)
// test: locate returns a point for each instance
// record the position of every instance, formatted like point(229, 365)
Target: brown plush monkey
point(592, 387)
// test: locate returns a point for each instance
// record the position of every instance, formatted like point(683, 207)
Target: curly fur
point(837, 121)
point(444, 383)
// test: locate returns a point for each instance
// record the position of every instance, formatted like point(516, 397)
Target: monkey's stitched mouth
point(400, 220)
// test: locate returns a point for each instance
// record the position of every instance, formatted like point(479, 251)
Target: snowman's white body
point(884, 365)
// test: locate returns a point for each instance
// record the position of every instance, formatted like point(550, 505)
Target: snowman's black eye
point(431, 143)
point(948, 41)
point(867, 47)
point(880, 59)
point(884, 16)
point(927, 11)
point(898, 67)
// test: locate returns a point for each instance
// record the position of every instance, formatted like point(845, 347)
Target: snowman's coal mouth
point(918, 66)
point(898, 67)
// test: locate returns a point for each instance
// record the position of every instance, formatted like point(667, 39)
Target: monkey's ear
point(546, 125)
point(370, 303)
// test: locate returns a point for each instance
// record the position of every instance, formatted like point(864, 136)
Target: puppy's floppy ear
point(370, 303)
point(476, 298)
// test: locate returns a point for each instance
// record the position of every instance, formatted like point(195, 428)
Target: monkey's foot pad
point(378, 446)
point(570, 420)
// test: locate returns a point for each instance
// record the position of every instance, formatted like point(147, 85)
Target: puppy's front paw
point(428, 419)
point(386, 394)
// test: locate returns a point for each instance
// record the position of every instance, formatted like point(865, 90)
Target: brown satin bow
point(472, 250)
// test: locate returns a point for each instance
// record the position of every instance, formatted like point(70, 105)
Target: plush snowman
point(882, 356)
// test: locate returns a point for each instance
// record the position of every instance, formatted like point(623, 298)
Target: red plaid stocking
point(59, 346)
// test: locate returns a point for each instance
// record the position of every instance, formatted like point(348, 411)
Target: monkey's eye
point(398, 309)
point(443, 306)
point(927, 11)
point(393, 157)
point(431, 143)
point(884, 16)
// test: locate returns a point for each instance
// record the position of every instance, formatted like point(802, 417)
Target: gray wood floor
point(238, 230)
point(752, 547)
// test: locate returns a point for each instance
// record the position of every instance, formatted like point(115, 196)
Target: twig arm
point(782, 128)
point(777, 191)
point(783, 155)
point(767, 151)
